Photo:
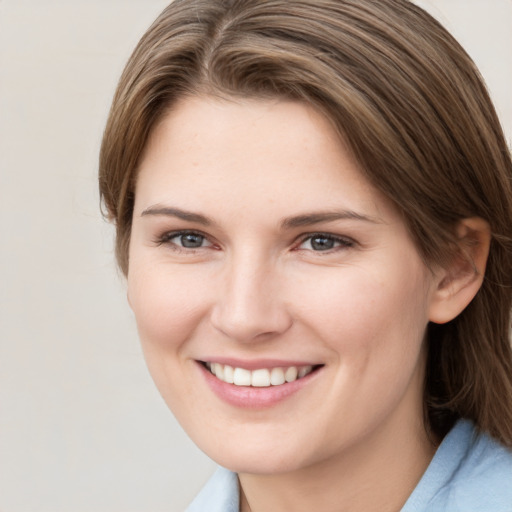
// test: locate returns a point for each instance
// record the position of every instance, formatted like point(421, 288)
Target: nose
point(249, 303)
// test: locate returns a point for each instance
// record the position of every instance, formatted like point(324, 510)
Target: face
point(260, 253)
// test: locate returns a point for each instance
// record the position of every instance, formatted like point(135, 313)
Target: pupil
point(191, 240)
point(322, 243)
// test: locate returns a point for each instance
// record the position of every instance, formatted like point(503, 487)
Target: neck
point(378, 474)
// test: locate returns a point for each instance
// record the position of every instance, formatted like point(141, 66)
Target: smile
point(260, 378)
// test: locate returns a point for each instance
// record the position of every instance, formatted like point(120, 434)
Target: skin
point(352, 438)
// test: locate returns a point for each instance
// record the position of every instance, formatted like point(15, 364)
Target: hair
point(411, 106)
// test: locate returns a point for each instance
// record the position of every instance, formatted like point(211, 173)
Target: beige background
point(82, 427)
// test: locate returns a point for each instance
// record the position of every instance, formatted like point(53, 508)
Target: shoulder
point(484, 478)
point(469, 472)
point(220, 494)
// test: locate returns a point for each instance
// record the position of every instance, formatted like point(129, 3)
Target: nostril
point(244, 324)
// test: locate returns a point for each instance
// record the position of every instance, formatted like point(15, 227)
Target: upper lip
point(256, 364)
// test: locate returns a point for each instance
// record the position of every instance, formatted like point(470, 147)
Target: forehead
point(248, 151)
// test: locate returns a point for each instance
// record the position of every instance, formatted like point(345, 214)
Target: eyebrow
point(309, 219)
point(179, 213)
point(296, 221)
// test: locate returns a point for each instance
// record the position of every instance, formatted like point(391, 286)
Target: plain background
point(82, 428)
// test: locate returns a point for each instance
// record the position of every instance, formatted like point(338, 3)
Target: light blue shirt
point(470, 472)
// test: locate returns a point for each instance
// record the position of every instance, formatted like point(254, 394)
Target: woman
point(313, 208)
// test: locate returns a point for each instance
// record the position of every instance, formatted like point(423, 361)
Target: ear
point(458, 283)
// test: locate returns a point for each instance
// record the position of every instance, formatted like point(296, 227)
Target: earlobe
point(459, 282)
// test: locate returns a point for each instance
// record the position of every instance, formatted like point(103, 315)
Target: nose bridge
point(249, 304)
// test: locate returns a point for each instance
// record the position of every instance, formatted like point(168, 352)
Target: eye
point(190, 240)
point(321, 242)
point(185, 240)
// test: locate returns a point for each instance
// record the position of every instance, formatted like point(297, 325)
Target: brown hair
point(412, 107)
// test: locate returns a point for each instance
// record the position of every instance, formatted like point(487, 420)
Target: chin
point(258, 457)
point(258, 464)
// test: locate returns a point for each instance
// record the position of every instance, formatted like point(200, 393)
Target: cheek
point(167, 303)
point(168, 306)
point(357, 311)
point(373, 326)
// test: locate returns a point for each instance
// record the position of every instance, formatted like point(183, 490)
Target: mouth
point(261, 377)
point(258, 385)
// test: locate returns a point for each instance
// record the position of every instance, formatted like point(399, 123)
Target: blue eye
point(324, 242)
point(190, 240)
point(185, 240)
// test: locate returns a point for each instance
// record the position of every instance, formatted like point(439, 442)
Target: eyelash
point(342, 242)
point(167, 239)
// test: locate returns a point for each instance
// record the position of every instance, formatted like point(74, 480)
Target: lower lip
point(250, 397)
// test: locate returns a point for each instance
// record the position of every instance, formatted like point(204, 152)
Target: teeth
point(304, 370)
point(261, 378)
point(277, 377)
point(228, 374)
point(241, 377)
point(218, 369)
point(291, 374)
